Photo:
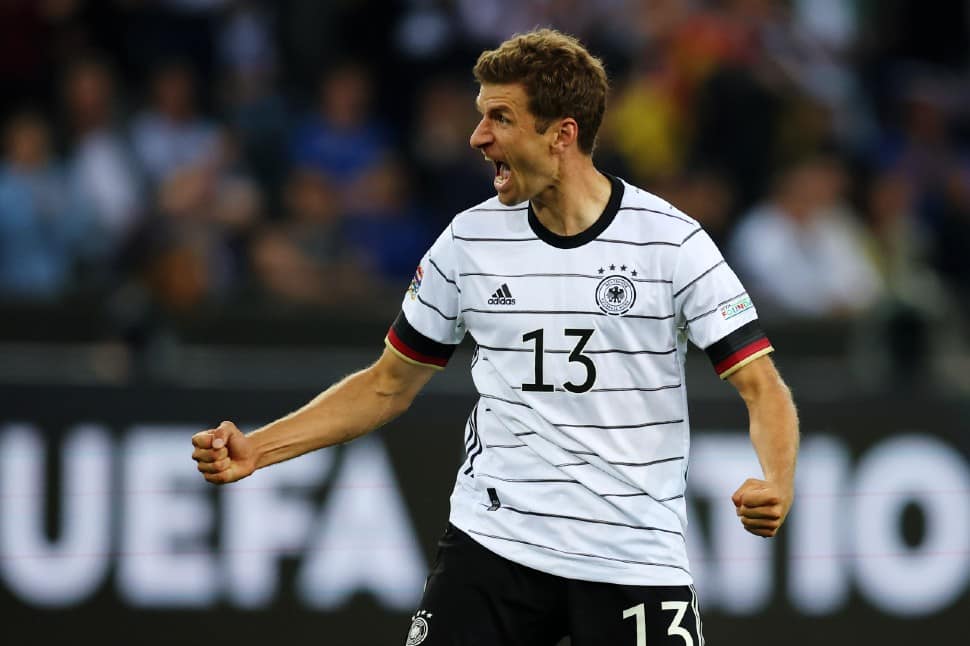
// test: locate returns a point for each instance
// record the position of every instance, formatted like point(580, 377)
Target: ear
point(566, 134)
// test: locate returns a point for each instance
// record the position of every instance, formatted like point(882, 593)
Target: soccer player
point(581, 292)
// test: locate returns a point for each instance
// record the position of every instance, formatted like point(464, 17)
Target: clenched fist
point(224, 454)
point(762, 506)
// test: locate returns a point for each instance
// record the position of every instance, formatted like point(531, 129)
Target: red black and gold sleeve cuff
point(738, 349)
point(413, 347)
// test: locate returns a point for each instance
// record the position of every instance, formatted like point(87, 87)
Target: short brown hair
point(561, 79)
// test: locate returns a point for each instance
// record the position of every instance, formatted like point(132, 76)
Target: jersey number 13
point(576, 355)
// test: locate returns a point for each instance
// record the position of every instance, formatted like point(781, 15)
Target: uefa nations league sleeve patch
point(416, 282)
point(739, 305)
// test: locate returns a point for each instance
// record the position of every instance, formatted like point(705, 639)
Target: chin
point(508, 199)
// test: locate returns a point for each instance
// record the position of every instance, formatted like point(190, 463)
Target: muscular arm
point(763, 505)
point(350, 408)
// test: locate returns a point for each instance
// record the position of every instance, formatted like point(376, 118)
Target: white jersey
point(577, 448)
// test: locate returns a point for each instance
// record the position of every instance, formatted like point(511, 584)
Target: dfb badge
point(615, 295)
point(419, 628)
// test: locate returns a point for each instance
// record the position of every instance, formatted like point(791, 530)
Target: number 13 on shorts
point(679, 608)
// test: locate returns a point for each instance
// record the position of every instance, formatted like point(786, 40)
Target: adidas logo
point(502, 296)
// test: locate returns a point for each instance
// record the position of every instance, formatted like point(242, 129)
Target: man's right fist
point(224, 454)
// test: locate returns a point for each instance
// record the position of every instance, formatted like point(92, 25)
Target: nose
point(481, 136)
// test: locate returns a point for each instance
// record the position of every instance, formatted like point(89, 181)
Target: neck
point(574, 200)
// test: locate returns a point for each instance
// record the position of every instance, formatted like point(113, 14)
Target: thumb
point(746, 489)
point(737, 498)
point(222, 433)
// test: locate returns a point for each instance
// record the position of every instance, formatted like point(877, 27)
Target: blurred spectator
point(900, 243)
point(925, 148)
point(38, 37)
point(212, 211)
point(254, 108)
point(450, 174)
point(708, 89)
point(170, 133)
point(648, 119)
point(919, 142)
point(807, 43)
point(834, 23)
point(489, 22)
point(737, 94)
point(303, 258)
point(101, 163)
point(387, 227)
point(645, 127)
point(342, 139)
point(704, 195)
point(191, 251)
point(918, 320)
point(45, 235)
point(801, 253)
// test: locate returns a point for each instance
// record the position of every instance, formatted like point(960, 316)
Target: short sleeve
point(430, 326)
point(713, 306)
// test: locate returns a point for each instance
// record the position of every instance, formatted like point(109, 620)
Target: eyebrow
point(498, 108)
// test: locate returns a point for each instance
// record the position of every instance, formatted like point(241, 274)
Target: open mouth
point(502, 174)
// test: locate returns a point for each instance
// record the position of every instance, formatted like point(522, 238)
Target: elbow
point(394, 397)
point(760, 384)
point(397, 404)
point(772, 388)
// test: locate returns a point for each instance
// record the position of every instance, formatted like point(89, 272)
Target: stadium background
point(210, 209)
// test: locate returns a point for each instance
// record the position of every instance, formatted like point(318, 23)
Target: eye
point(501, 118)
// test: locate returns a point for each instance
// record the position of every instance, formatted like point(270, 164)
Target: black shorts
point(473, 597)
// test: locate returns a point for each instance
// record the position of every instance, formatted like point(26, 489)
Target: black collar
point(581, 238)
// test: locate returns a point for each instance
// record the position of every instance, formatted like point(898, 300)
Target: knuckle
point(216, 478)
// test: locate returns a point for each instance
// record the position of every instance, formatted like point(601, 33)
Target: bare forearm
point(350, 408)
point(763, 505)
point(774, 433)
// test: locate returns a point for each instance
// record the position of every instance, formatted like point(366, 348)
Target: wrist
point(784, 483)
point(260, 448)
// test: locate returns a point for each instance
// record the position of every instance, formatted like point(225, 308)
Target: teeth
point(502, 174)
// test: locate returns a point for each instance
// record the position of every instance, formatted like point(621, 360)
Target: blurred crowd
point(231, 153)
